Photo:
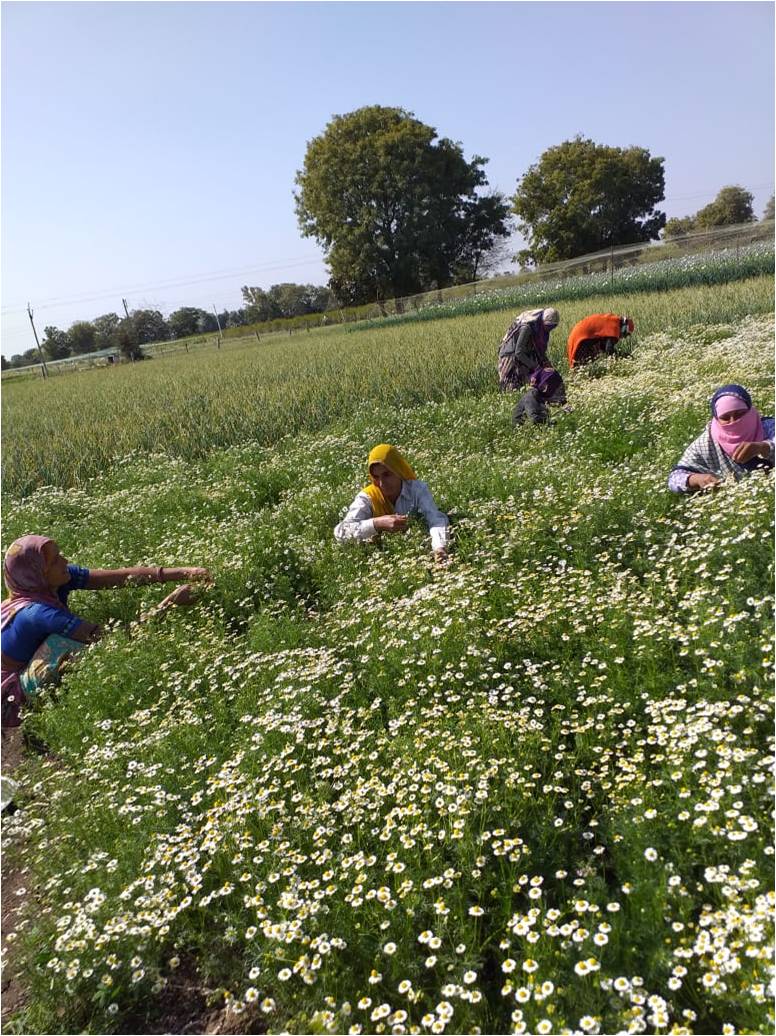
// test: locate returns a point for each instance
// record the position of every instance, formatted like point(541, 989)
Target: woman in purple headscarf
point(736, 440)
point(38, 631)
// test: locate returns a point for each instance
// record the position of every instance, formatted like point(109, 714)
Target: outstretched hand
point(198, 575)
point(698, 481)
point(182, 595)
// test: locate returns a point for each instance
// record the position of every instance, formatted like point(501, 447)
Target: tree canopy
point(395, 209)
point(732, 205)
point(768, 212)
point(583, 197)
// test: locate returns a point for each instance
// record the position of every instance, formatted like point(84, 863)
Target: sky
point(148, 150)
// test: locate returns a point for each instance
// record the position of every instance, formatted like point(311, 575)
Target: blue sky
point(149, 149)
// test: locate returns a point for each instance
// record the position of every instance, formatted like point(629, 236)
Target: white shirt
point(415, 498)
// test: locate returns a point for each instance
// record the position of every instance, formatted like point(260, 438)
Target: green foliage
point(285, 300)
point(106, 329)
point(768, 211)
point(396, 210)
point(148, 325)
point(582, 197)
point(55, 343)
point(524, 792)
point(732, 205)
point(82, 338)
point(676, 227)
point(187, 321)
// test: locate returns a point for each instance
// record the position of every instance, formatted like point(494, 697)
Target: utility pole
point(40, 351)
point(218, 323)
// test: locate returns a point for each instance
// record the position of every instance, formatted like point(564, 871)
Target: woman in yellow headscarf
point(394, 493)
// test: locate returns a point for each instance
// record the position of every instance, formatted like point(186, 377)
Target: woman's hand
point(703, 481)
point(181, 595)
point(197, 575)
point(391, 523)
point(747, 450)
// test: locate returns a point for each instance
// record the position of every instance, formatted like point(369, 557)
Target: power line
point(175, 283)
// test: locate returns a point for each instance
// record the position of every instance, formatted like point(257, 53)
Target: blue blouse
point(32, 624)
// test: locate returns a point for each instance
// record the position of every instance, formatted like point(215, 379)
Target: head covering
point(549, 385)
point(24, 571)
point(397, 465)
point(748, 428)
point(730, 390)
point(550, 317)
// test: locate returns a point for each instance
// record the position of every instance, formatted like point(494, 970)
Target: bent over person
point(523, 348)
point(394, 493)
point(39, 632)
point(736, 440)
point(596, 335)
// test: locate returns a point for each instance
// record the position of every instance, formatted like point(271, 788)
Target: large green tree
point(106, 329)
point(396, 210)
point(55, 344)
point(81, 338)
point(583, 197)
point(732, 205)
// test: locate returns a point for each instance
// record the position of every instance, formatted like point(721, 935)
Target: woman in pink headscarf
point(38, 631)
point(736, 440)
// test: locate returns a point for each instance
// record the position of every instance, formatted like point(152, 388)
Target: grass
point(186, 406)
point(352, 791)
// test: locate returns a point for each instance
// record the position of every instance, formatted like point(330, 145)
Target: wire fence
point(607, 261)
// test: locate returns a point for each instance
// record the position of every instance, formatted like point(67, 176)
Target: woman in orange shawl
point(393, 494)
point(595, 336)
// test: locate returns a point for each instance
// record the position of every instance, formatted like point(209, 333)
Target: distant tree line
point(126, 336)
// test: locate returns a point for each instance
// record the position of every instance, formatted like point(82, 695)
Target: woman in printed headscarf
point(523, 348)
point(736, 440)
point(394, 493)
point(39, 632)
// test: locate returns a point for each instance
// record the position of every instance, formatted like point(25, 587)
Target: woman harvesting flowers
point(38, 631)
point(394, 493)
point(736, 440)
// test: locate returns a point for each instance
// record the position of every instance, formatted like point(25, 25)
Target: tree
point(732, 205)
point(258, 305)
point(126, 339)
point(184, 322)
point(105, 329)
point(392, 205)
point(149, 326)
point(583, 197)
point(676, 227)
point(4, 364)
point(82, 338)
point(768, 213)
point(55, 343)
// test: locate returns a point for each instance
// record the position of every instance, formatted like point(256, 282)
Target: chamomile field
point(353, 791)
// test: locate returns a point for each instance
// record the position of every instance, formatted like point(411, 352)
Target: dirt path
point(13, 994)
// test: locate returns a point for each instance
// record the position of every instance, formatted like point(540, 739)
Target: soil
point(13, 995)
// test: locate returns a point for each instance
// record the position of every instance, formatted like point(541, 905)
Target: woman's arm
point(358, 523)
point(438, 522)
point(697, 468)
point(140, 575)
